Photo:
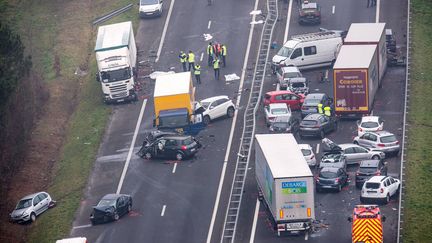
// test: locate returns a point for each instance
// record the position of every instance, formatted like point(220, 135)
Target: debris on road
point(231, 77)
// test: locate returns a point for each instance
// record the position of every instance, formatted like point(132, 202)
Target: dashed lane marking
point(82, 226)
point(209, 24)
point(163, 210)
point(174, 168)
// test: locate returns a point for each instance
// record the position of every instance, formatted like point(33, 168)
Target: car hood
point(277, 59)
point(18, 212)
point(103, 209)
point(332, 146)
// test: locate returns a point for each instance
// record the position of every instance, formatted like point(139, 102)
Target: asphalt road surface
point(174, 202)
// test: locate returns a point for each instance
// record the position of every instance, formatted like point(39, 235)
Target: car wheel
point(322, 134)
point(230, 112)
point(356, 143)
point(387, 199)
point(179, 156)
point(129, 208)
point(32, 217)
point(116, 216)
point(206, 120)
point(148, 155)
point(375, 157)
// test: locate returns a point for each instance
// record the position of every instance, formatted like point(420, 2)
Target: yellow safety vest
point(197, 70)
point(320, 108)
point(216, 64)
point(327, 111)
point(224, 50)
point(183, 57)
point(191, 57)
point(209, 49)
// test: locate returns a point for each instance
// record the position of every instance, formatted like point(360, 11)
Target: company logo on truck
point(294, 187)
point(351, 90)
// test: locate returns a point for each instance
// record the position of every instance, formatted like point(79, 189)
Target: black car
point(369, 168)
point(331, 178)
point(317, 125)
point(309, 13)
point(111, 207)
point(290, 125)
point(171, 147)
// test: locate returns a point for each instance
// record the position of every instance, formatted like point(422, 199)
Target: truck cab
point(367, 224)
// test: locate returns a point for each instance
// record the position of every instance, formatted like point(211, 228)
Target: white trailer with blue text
point(285, 182)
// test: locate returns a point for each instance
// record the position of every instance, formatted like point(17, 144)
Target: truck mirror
point(97, 77)
point(383, 218)
point(350, 219)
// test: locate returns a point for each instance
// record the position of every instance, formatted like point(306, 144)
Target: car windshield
point(306, 152)
point(25, 203)
point(367, 169)
point(309, 122)
point(388, 139)
point(369, 125)
point(291, 75)
point(116, 75)
point(148, 2)
point(311, 102)
point(106, 202)
point(298, 85)
point(205, 105)
point(279, 111)
point(327, 175)
point(285, 51)
point(372, 185)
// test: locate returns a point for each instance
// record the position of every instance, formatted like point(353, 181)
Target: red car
point(294, 101)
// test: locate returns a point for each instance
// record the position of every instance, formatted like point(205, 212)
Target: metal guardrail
point(405, 126)
point(246, 141)
point(112, 14)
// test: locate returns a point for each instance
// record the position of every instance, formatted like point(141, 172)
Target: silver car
point(382, 140)
point(31, 206)
point(353, 152)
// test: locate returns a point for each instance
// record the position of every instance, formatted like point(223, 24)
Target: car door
point(37, 205)
point(121, 209)
point(343, 175)
point(222, 107)
point(350, 155)
point(294, 102)
point(170, 149)
point(361, 153)
point(394, 186)
point(297, 57)
point(310, 55)
point(43, 201)
point(364, 140)
point(324, 123)
point(267, 112)
point(159, 148)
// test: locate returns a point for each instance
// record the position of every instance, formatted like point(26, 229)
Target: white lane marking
point(163, 210)
point(306, 235)
point(317, 148)
point(82, 226)
point(216, 204)
point(209, 24)
point(164, 31)
point(333, 9)
point(377, 11)
point(254, 223)
point(131, 148)
point(174, 168)
point(287, 22)
point(202, 56)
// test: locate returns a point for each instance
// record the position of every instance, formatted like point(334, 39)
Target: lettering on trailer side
point(294, 187)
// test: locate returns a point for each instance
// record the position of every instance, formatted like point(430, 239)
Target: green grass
point(42, 26)
point(418, 194)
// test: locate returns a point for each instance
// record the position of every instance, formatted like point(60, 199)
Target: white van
point(149, 8)
point(309, 50)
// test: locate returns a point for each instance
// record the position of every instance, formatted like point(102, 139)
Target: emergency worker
point(320, 108)
point(210, 54)
point(183, 59)
point(224, 53)
point(216, 63)
point(191, 60)
point(197, 73)
point(327, 110)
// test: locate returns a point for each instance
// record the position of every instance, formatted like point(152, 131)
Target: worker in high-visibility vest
point(191, 60)
point(197, 73)
point(320, 108)
point(210, 54)
point(327, 110)
point(224, 53)
point(216, 68)
point(183, 59)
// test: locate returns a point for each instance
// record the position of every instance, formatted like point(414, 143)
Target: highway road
point(178, 202)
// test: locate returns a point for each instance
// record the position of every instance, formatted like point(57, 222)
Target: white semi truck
point(285, 182)
point(116, 56)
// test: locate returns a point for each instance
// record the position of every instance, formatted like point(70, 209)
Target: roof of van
point(365, 32)
point(355, 56)
point(113, 36)
point(283, 155)
point(172, 84)
point(322, 35)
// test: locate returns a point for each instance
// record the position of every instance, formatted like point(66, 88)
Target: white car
point(149, 8)
point(215, 107)
point(379, 188)
point(308, 154)
point(276, 110)
point(369, 124)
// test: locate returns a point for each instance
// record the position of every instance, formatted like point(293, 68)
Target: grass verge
point(418, 194)
point(60, 38)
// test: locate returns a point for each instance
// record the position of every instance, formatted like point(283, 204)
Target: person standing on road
point(327, 111)
point(191, 60)
point(224, 53)
point(210, 54)
point(216, 68)
point(183, 59)
point(197, 72)
point(320, 108)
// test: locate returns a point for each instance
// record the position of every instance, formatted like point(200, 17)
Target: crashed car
point(299, 86)
point(333, 155)
point(176, 147)
point(111, 207)
point(354, 153)
point(285, 125)
point(286, 74)
point(31, 206)
point(309, 13)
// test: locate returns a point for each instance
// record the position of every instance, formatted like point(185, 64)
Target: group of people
point(216, 56)
point(326, 110)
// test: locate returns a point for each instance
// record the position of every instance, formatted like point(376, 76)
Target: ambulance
point(367, 224)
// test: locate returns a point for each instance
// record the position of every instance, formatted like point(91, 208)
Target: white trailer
point(285, 182)
point(116, 57)
point(370, 34)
